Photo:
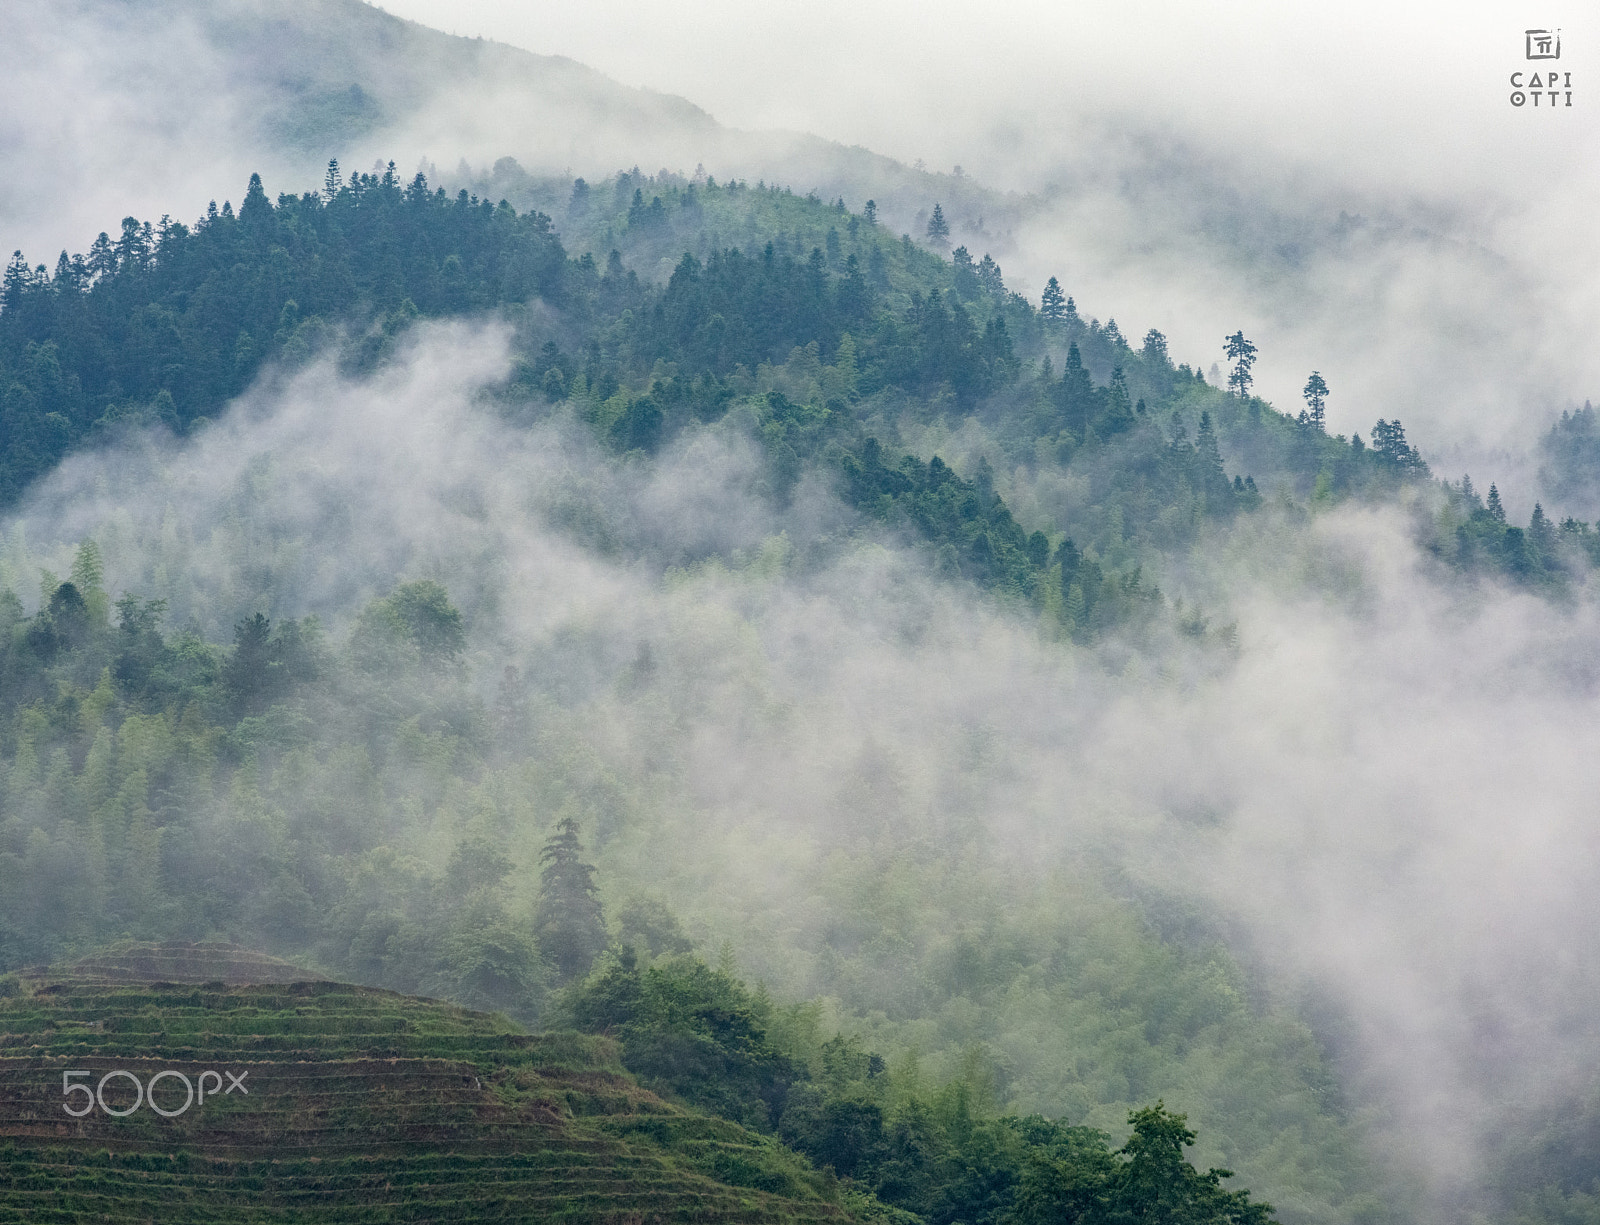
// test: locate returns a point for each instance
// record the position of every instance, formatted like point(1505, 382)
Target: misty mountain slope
point(356, 1106)
point(143, 95)
point(1056, 773)
point(325, 73)
point(1413, 305)
point(1570, 460)
point(829, 337)
point(376, 795)
point(674, 511)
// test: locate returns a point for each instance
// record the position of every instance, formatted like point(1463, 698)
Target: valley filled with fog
point(987, 719)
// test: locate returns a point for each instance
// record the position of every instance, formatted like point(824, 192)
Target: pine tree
point(1053, 303)
point(333, 181)
point(17, 280)
point(1075, 608)
point(102, 258)
point(1541, 534)
point(938, 227)
point(256, 211)
point(1316, 394)
point(852, 294)
point(965, 279)
point(570, 924)
point(1156, 1182)
point(990, 276)
point(1118, 415)
point(1243, 355)
point(88, 571)
point(1389, 441)
point(249, 676)
point(70, 617)
point(870, 212)
point(1496, 510)
point(67, 279)
point(1076, 392)
point(88, 576)
point(1208, 458)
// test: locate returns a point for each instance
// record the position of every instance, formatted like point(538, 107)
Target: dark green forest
point(388, 798)
point(168, 322)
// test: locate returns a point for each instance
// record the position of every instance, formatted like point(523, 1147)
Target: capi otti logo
point(1541, 88)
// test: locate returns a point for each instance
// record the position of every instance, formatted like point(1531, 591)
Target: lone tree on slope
point(571, 927)
point(1053, 303)
point(1316, 394)
point(1243, 355)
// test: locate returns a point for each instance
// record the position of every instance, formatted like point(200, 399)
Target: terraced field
point(136, 962)
point(196, 1096)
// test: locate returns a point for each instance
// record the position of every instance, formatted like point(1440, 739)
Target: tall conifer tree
point(570, 924)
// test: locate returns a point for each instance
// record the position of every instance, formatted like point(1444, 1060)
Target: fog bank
point(1387, 793)
point(1351, 187)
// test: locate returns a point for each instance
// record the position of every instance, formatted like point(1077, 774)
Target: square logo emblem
point(1543, 44)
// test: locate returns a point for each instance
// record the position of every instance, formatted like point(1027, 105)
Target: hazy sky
point(1479, 304)
point(1191, 162)
point(1389, 791)
point(1396, 94)
point(1183, 148)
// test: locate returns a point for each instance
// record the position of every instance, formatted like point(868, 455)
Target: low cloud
point(1386, 794)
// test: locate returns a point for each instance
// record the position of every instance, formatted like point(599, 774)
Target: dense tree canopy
point(169, 321)
point(276, 780)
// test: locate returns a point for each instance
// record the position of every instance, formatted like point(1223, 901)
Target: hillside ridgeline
point(347, 1104)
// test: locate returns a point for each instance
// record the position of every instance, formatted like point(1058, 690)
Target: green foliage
point(1316, 397)
point(569, 921)
point(1053, 303)
point(1569, 457)
point(1243, 356)
point(1075, 1177)
point(647, 927)
point(352, 799)
point(415, 621)
point(368, 818)
point(168, 323)
point(362, 1106)
point(135, 787)
point(700, 1036)
point(266, 664)
point(687, 1030)
point(191, 313)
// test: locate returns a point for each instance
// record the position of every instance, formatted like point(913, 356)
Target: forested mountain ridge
point(285, 793)
point(364, 1105)
point(375, 794)
point(814, 319)
point(355, 1105)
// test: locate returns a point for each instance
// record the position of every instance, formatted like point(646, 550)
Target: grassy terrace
point(362, 1105)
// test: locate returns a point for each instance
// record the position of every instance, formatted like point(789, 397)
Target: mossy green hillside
point(361, 1105)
